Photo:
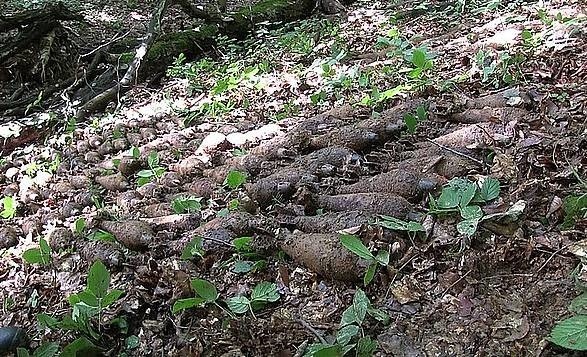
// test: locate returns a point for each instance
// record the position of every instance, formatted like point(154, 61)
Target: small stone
point(201, 188)
point(11, 190)
point(8, 237)
point(70, 209)
point(170, 179)
point(106, 252)
point(114, 182)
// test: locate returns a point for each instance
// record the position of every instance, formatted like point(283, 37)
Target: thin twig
point(455, 283)
point(456, 152)
point(311, 329)
point(552, 256)
point(116, 38)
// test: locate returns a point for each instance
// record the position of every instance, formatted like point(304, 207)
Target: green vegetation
point(460, 195)
point(351, 335)
point(8, 207)
point(154, 172)
point(354, 244)
point(41, 255)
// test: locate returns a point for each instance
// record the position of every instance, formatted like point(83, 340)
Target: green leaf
point(112, 296)
point(571, 333)
point(579, 304)
point(421, 113)
point(45, 249)
point(490, 189)
point(378, 315)
point(393, 223)
point(472, 212)
point(449, 198)
point(370, 273)
point(205, 289)
point(238, 304)
point(241, 267)
point(382, 257)
point(146, 174)
point(153, 159)
point(103, 236)
point(329, 351)
point(242, 244)
point(415, 227)
point(467, 194)
point(354, 244)
point(345, 334)
point(79, 347)
point(35, 256)
point(98, 279)
point(182, 205)
point(48, 349)
point(193, 249)
point(8, 207)
point(80, 225)
point(22, 352)
point(468, 227)
point(131, 342)
point(46, 321)
point(188, 303)
point(142, 181)
point(265, 291)
point(235, 179)
point(411, 122)
point(88, 298)
point(366, 347)
point(360, 305)
point(419, 58)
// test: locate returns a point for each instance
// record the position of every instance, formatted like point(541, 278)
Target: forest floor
point(385, 129)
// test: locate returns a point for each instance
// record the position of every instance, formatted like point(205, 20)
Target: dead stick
point(456, 152)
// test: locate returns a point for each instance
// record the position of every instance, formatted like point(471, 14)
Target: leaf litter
point(496, 284)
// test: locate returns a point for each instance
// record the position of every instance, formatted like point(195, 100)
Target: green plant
point(575, 205)
point(459, 195)
point(206, 293)
point(102, 235)
point(96, 297)
point(48, 349)
point(354, 244)
point(8, 207)
point(261, 295)
point(245, 258)
point(421, 59)
point(571, 333)
point(350, 330)
point(412, 119)
point(234, 179)
point(155, 171)
point(499, 70)
point(186, 204)
point(411, 227)
point(79, 226)
point(193, 249)
point(41, 255)
point(377, 97)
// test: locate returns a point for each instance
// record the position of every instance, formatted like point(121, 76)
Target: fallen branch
point(101, 100)
point(48, 13)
